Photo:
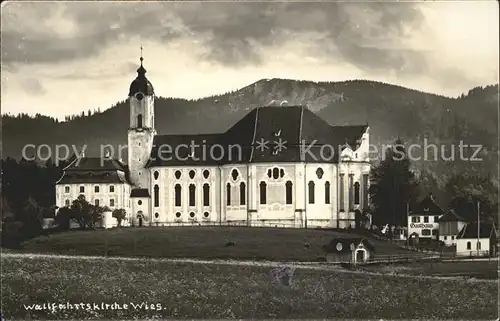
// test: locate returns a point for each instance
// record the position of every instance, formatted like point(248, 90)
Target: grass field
point(186, 290)
point(199, 242)
point(475, 269)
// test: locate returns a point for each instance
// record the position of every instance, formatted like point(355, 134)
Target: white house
point(424, 219)
point(450, 225)
point(277, 166)
point(474, 242)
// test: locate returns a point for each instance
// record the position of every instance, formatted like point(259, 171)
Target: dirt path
point(297, 265)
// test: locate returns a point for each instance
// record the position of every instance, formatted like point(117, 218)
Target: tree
point(393, 186)
point(63, 218)
point(31, 216)
point(466, 190)
point(119, 214)
point(84, 213)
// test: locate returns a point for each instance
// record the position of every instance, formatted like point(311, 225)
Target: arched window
point(276, 173)
point(156, 175)
point(66, 202)
point(234, 174)
point(111, 189)
point(478, 245)
point(156, 196)
point(66, 189)
point(327, 192)
point(242, 193)
point(356, 193)
point(139, 121)
point(351, 192)
point(206, 194)
point(178, 197)
point(263, 193)
point(228, 194)
point(311, 192)
point(341, 193)
point(96, 189)
point(288, 192)
point(192, 195)
point(96, 202)
point(469, 246)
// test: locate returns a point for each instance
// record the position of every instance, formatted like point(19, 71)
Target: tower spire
point(141, 71)
point(141, 55)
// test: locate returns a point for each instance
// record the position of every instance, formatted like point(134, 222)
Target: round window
point(339, 246)
point(191, 174)
point(206, 214)
point(156, 174)
point(157, 215)
point(191, 214)
point(139, 202)
point(206, 173)
point(177, 214)
point(178, 174)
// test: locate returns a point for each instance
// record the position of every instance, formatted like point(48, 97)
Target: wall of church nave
point(235, 193)
point(320, 189)
point(346, 219)
point(185, 194)
point(354, 179)
point(110, 195)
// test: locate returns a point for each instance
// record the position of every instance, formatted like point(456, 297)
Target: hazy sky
point(62, 58)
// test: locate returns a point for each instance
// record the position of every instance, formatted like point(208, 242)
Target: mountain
point(391, 111)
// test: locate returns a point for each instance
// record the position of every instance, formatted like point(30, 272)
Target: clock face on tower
point(139, 96)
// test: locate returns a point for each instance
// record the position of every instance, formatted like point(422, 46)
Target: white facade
point(103, 194)
point(288, 194)
point(425, 226)
point(471, 247)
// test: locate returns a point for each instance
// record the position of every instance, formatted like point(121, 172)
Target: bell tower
point(141, 131)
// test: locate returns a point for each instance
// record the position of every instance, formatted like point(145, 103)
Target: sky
point(61, 58)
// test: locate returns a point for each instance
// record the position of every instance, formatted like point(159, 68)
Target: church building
point(278, 166)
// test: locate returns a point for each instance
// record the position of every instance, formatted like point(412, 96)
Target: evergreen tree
point(393, 186)
point(466, 190)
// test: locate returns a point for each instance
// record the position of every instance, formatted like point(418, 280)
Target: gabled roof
point(296, 126)
point(469, 231)
point(427, 207)
point(451, 216)
point(346, 245)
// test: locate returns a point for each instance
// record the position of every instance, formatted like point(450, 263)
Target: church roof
point(297, 127)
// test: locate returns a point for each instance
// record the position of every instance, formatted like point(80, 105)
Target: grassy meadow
point(471, 269)
point(273, 244)
point(187, 290)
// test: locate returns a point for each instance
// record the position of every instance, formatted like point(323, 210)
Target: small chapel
point(278, 166)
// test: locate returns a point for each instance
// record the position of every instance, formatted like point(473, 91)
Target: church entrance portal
point(140, 218)
point(360, 255)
